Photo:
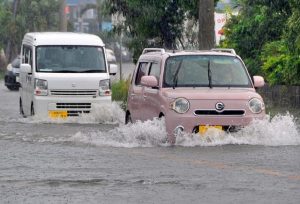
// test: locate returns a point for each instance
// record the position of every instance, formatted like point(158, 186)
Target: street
point(98, 159)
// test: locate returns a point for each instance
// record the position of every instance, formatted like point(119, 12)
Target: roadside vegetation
point(1, 74)
point(120, 91)
point(266, 35)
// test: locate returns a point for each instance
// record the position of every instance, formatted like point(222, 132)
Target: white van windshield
point(205, 71)
point(70, 59)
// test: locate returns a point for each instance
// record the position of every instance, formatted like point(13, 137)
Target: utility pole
point(63, 24)
point(206, 35)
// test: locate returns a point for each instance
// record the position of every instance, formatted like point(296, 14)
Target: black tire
point(21, 108)
point(128, 118)
point(32, 110)
point(13, 88)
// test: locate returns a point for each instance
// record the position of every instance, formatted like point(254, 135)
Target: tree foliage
point(266, 34)
point(154, 23)
point(27, 16)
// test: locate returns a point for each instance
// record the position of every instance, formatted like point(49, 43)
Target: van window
point(204, 71)
point(154, 70)
point(27, 55)
point(142, 70)
point(70, 58)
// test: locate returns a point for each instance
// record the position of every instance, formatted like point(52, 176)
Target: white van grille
point(75, 109)
point(74, 93)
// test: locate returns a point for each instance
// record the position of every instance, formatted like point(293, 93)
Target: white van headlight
point(104, 87)
point(256, 105)
point(40, 87)
point(180, 105)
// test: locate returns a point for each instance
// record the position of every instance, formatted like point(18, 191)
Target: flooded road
point(97, 159)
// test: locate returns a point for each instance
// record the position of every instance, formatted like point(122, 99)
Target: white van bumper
point(49, 106)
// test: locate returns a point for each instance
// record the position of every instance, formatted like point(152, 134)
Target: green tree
point(155, 23)
point(258, 22)
point(20, 16)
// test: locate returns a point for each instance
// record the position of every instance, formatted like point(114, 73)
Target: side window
point(155, 70)
point(27, 55)
point(142, 70)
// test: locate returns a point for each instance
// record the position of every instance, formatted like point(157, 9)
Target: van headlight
point(180, 105)
point(256, 105)
point(40, 87)
point(104, 87)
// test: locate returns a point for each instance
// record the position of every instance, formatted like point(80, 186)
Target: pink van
point(194, 90)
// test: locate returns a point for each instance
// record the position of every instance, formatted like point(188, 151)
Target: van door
point(151, 94)
point(135, 97)
point(27, 80)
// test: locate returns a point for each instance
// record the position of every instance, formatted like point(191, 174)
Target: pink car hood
point(215, 93)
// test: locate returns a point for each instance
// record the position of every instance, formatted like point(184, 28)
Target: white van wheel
point(32, 110)
point(21, 108)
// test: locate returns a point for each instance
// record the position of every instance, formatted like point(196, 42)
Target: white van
point(63, 74)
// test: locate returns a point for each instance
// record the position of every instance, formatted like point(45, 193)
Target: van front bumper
point(72, 106)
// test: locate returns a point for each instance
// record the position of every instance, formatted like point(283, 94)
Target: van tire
point(32, 110)
point(21, 108)
point(128, 118)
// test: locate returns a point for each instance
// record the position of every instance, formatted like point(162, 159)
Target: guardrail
point(281, 95)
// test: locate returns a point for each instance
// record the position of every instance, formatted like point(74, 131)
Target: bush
point(120, 91)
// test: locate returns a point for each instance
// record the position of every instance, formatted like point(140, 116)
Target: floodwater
point(98, 159)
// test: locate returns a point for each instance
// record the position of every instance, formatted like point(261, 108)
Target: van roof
point(62, 38)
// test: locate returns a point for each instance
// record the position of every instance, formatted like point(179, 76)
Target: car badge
point(73, 85)
point(220, 106)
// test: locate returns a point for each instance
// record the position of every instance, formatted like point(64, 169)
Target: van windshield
point(205, 71)
point(70, 59)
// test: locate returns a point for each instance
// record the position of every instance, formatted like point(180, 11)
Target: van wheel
point(21, 108)
point(32, 110)
point(128, 118)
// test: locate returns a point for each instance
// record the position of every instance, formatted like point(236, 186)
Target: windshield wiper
point(65, 71)
point(175, 79)
point(93, 71)
point(209, 74)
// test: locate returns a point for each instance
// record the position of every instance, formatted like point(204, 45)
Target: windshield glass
point(205, 71)
point(70, 58)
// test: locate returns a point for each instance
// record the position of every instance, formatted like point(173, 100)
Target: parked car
point(194, 91)
point(12, 74)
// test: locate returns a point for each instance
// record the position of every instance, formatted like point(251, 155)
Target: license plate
point(58, 114)
point(203, 128)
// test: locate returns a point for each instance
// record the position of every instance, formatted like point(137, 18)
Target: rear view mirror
point(26, 68)
point(113, 69)
point(258, 81)
point(149, 81)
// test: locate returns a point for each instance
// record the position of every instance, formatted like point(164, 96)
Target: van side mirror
point(25, 68)
point(113, 69)
point(258, 81)
point(149, 81)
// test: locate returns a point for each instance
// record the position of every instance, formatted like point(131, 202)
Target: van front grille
point(74, 93)
point(75, 109)
point(216, 113)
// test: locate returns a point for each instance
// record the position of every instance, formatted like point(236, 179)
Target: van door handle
point(145, 96)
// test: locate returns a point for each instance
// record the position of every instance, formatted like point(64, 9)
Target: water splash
point(279, 131)
point(100, 113)
point(140, 134)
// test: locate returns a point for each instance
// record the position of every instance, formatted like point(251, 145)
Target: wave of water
point(279, 131)
point(104, 114)
point(276, 131)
